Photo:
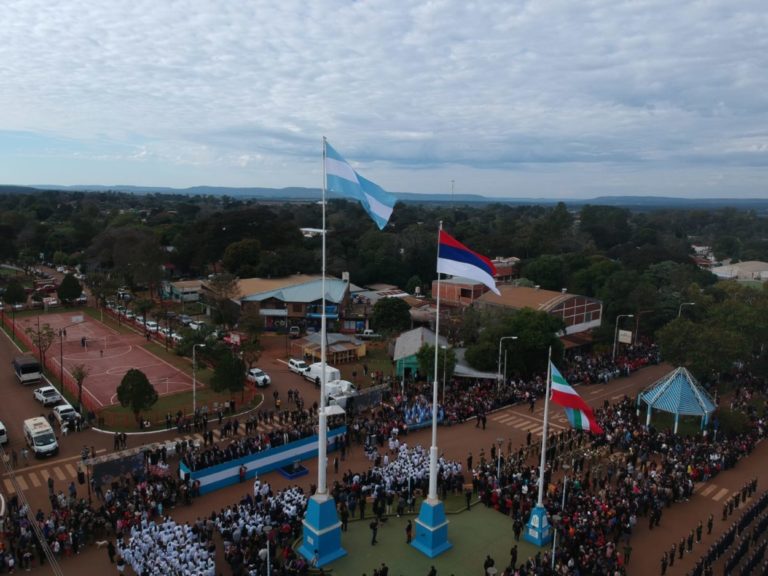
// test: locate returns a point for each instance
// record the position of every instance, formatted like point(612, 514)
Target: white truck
point(315, 373)
point(368, 334)
point(339, 392)
point(27, 369)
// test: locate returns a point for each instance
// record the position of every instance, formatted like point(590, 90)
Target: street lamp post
point(445, 357)
point(565, 468)
point(498, 365)
point(194, 376)
point(616, 332)
point(680, 308)
point(267, 530)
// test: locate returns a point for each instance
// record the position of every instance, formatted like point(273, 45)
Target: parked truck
point(27, 369)
point(315, 373)
point(340, 392)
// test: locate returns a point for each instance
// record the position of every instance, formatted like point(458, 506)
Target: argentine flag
point(342, 179)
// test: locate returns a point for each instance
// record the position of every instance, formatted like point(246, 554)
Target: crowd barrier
point(228, 473)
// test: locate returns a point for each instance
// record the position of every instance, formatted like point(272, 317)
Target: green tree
point(229, 373)
point(42, 337)
point(69, 289)
point(413, 283)
point(80, 373)
point(224, 288)
point(536, 331)
point(136, 392)
point(391, 316)
point(14, 292)
point(143, 307)
point(446, 362)
point(245, 252)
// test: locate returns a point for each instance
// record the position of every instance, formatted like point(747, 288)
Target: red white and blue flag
point(579, 413)
point(457, 260)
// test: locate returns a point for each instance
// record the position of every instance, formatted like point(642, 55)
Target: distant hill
point(295, 194)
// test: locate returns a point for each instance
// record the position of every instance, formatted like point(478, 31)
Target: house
point(579, 313)
point(749, 270)
point(458, 291)
point(408, 345)
point(294, 301)
point(339, 348)
point(182, 290)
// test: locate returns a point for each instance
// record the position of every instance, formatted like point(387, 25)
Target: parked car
point(65, 413)
point(297, 366)
point(151, 326)
point(294, 332)
point(185, 320)
point(48, 395)
point(258, 377)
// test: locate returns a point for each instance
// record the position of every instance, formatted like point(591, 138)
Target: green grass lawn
point(473, 535)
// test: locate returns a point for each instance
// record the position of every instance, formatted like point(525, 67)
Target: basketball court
point(106, 354)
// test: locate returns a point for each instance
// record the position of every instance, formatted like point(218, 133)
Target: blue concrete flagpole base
point(538, 530)
point(322, 531)
point(431, 529)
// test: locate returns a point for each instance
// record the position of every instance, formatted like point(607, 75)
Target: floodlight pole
point(194, 377)
point(498, 364)
point(616, 333)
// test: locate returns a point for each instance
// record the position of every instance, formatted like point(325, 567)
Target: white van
point(3, 434)
point(315, 371)
point(40, 437)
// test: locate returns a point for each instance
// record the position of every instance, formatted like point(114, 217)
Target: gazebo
point(679, 393)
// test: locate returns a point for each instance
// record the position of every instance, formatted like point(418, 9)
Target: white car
point(258, 377)
point(65, 413)
point(48, 395)
point(297, 366)
point(152, 326)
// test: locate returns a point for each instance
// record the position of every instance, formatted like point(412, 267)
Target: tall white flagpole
point(322, 420)
point(545, 431)
point(433, 449)
point(432, 525)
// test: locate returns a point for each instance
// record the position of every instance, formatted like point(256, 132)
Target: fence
point(52, 357)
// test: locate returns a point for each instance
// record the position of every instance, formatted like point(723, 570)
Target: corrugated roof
point(678, 393)
point(248, 286)
point(409, 343)
point(525, 297)
point(332, 338)
point(307, 292)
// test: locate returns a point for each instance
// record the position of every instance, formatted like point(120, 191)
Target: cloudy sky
point(546, 98)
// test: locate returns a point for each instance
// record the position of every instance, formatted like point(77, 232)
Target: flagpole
point(322, 420)
point(538, 530)
point(433, 449)
point(545, 430)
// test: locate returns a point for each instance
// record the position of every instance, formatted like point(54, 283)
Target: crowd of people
point(642, 471)
point(198, 457)
point(166, 547)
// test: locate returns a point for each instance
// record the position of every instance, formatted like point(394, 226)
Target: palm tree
point(80, 373)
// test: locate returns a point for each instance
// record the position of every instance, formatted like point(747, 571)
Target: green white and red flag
point(579, 413)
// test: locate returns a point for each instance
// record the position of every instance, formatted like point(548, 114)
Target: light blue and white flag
point(342, 179)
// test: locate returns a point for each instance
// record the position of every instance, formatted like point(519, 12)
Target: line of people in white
point(167, 548)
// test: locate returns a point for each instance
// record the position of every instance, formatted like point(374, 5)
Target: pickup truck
point(368, 334)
